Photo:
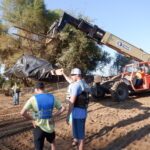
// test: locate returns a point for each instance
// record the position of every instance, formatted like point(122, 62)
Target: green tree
point(30, 15)
point(8, 44)
point(120, 62)
point(72, 49)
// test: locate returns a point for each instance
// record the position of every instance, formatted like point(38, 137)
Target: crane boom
point(100, 36)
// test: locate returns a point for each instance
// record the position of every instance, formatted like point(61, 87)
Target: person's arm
point(68, 79)
point(60, 108)
point(59, 111)
point(25, 114)
point(71, 105)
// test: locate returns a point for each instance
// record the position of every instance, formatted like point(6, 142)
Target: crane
point(100, 36)
point(120, 86)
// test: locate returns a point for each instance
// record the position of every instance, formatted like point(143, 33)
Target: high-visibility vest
point(140, 74)
point(45, 103)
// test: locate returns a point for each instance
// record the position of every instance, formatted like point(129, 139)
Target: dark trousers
point(39, 137)
point(138, 83)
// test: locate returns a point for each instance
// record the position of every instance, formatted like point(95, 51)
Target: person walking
point(78, 103)
point(16, 92)
point(42, 105)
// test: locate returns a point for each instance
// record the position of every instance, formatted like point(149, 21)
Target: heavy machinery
point(119, 87)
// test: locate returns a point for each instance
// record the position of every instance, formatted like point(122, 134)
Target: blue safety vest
point(45, 103)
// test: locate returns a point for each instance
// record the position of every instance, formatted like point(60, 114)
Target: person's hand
point(34, 123)
point(52, 72)
point(67, 120)
point(51, 121)
point(62, 71)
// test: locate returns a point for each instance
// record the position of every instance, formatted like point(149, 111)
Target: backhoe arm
point(100, 36)
point(91, 31)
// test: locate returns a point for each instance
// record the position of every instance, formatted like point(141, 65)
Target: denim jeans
point(16, 98)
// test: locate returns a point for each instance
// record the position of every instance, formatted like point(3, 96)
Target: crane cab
point(130, 71)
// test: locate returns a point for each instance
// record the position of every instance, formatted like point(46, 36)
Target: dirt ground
point(110, 125)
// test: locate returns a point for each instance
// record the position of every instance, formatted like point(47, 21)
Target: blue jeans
point(16, 98)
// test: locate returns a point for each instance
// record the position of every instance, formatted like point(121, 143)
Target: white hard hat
point(76, 71)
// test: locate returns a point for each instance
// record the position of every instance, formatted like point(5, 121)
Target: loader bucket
point(58, 25)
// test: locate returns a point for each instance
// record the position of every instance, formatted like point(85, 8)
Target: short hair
point(39, 85)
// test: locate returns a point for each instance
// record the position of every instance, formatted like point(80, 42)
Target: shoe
point(74, 143)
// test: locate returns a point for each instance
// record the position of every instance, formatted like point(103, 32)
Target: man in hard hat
point(78, 103)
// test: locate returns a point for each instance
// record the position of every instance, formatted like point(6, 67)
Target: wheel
point(119, 91)
point(97, 92)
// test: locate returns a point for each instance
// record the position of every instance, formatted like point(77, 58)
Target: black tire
point(119, 91)
point(97, 92)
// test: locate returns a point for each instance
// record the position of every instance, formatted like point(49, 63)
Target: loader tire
point(119, 91)
point(97, 92)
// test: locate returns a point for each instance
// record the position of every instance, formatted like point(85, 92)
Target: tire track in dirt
point(19, 141)
point(10, 122)
point(18, 126)
point(16, 134)
point(109, 125)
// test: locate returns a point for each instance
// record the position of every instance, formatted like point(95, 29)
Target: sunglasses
point(73, 74)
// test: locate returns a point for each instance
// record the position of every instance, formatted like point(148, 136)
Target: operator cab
point(130, 72)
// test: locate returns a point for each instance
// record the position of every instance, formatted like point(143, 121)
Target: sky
point(127, 19)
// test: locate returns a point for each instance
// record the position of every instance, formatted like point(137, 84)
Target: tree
point(120, 62)
point(72, 49)
point(30, 15)
point(8, 44)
